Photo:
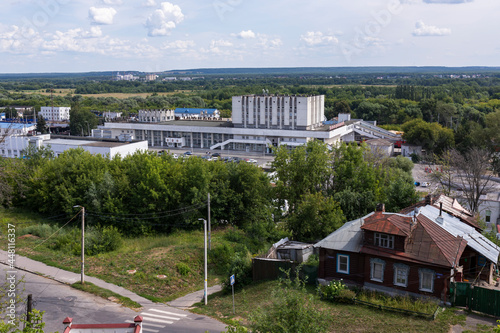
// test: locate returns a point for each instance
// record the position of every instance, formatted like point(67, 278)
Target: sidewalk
point(66, 277)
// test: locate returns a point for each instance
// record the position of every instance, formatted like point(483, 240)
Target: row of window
point(401, 272)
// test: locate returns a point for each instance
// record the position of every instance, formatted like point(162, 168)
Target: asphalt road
point(60, 301)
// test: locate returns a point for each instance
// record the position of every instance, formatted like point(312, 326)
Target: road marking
point(170, 313)
point(158, 320)
point(146, 324)
point(150, 330)
point(158, 316)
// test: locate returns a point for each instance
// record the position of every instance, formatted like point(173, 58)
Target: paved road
point(60, 300)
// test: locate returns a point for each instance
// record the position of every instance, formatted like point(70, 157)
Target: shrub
point(346, 296)
point(221, 258)
point(40, 230)
point(183, 269)
point(102, 240)
point(332, 290)
point(241, 267)
point(313, 260)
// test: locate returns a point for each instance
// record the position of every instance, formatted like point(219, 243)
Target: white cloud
point(317, 38)
point(447, 1)
point(164, 20)
point(179, 45)
point(267, 42)
point(102, 15)
point(245, 34)
point(421, 29)
point(149, 3)
point(112, 2)
point(218, 47)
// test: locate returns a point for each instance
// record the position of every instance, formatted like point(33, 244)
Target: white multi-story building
point(56, 113)
point(259, 122)
point(278, 112)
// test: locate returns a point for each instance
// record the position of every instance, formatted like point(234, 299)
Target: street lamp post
point(206, 274)
point(83, 241)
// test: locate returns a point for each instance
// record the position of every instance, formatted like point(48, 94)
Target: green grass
point(341, 317)
point(104, 293)
point(178, 256)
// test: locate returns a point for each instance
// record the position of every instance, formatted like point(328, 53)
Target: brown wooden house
point(415, 254)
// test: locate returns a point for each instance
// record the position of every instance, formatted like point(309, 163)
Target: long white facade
point(16, 146)
point(278, 112)
point(56, 113)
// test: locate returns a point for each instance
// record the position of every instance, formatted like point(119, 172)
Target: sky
point(40, 36)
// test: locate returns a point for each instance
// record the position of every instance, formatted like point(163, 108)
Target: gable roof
point(456, 227)
point(389, 223)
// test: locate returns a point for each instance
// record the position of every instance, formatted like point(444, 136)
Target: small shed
point(290, 250)
point(408, 149)
point(381, 147)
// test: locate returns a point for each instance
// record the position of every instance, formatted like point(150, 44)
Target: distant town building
point(108, 115)
point(156, 116)
point(8, 129)
point(126, 77)
point(56, 113)
point(151, 77)
point(197, 113)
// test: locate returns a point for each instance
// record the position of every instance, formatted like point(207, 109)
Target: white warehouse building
point(258, 122)
point(16, 146)
point(55, 113)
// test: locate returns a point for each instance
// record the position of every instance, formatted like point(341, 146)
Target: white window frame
point(401, 273)
point(375, 262)
point(423, 272)
point(487, 216)
point(339, 270)
point(384, 240)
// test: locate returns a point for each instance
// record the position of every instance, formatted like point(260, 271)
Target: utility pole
point(83, 243)
point(206, 274)
point(209, 226)
point(29, 308)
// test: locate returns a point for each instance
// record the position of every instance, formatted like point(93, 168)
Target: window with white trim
point(401, 272)
point(384, 240)
point(426, 279)
point(377, 267)
point(342, 263)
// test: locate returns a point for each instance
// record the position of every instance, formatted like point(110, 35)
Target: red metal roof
point(392, 224)
point(427, 242)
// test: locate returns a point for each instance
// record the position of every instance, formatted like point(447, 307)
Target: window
point(377, 267)
point(487, 218)
point(401, 275)
point(426, 277)
point(384, 240)
point(342, 263)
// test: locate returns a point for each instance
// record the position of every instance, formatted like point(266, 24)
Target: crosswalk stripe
point(155, 315)
point(158, 320)
point(146, 324)
point(150, 330)
point(170, 313)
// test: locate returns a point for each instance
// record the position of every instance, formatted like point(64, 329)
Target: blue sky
point(154, 35)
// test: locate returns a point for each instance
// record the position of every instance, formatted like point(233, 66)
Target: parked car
point(425, 184)
point(175, 156)
point(216, 155)
point(251, 160)
point(188, 153)
point(417, 183)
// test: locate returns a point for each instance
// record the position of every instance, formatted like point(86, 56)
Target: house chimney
point(440, 208)
point(380, 207)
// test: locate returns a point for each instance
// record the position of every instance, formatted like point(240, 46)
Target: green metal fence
point(476, 298)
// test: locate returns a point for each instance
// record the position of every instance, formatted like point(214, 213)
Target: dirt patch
point(28, 236)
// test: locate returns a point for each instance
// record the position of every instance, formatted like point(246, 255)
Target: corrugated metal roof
point(348, 238)
point(195, 110)
point(456, 227)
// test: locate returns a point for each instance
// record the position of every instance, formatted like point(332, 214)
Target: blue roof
point(6, 125)
point(195, 110)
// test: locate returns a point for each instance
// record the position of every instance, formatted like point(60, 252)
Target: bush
point(333, 290)
point(313, 260)
point(221, 258)
point(40, 230)
point(346, 296)
point(183, 269)
point(241, 267)
point(102, 240)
